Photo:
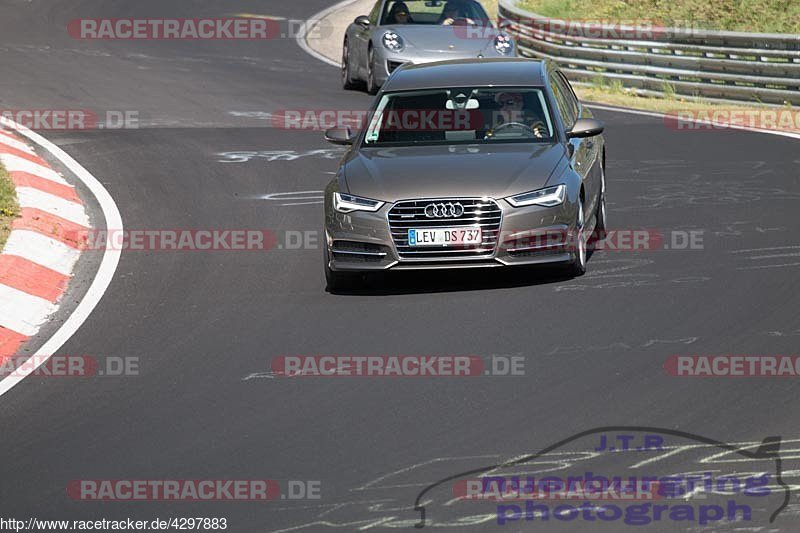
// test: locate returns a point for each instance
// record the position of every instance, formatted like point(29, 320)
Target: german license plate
point(444, 236)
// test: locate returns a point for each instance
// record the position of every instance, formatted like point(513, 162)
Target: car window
point(469, 115)
point(570, 93)
point(375, 13)
point(569, 113)
point(434, 12)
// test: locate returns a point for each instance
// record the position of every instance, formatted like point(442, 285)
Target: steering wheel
point(491, 132)
point(458, 21)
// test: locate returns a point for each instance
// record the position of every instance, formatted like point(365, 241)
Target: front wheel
point(347, 79)
point(601, 226)
point(372, 86)
point(577, 266)
point(600, 231)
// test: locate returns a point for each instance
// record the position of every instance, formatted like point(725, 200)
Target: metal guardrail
point(693, 63)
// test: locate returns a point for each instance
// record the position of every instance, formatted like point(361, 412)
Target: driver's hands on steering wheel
point(538, 129)
point(449, 20)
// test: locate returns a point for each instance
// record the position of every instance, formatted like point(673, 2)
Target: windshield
point(461, 116)
point(434, 12)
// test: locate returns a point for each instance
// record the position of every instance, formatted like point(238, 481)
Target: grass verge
point(491, 8)
point(779, 16)
point(9, 209)
point(614, 94)
point(770, 16)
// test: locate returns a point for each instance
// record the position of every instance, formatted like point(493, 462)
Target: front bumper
point(362, 241)
point(387, 62)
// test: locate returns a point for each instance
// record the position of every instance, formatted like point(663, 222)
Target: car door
point(594, 145)
point(362, 37)
point(581, 149)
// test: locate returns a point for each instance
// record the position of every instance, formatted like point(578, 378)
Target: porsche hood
point(457, 41)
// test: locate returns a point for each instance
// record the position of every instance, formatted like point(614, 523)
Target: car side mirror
point(339, 136)
point(362, 21)
point(585, 127)
point(504, 24)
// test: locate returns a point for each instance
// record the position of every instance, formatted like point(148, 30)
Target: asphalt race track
point(206, 325)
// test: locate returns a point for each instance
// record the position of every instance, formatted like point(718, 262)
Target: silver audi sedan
point(417, 31)
point(467, 163)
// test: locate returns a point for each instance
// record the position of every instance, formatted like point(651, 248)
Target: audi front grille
point(445, 213)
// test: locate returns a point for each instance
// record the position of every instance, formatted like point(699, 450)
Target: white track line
point(55, 205)
point(311, 23)
point(105, 273)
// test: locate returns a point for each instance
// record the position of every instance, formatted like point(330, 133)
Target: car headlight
point(347, 203)
point(392, 41)
point(549, 197)
point(503, 44)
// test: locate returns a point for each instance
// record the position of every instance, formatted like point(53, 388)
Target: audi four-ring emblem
point(444, 210)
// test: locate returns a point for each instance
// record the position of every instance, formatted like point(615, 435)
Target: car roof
point(508, 72)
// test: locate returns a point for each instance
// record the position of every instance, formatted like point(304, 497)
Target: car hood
point(442, 39)
point(497, 171)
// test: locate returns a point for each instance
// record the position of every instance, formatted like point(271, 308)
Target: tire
point(372, 87)
point(347, 80)
point(601, 221)
point(337, 281)
point(601, 224)
point(577, 266)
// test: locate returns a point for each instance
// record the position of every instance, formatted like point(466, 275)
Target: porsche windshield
point(461, 116)
point(434, 12)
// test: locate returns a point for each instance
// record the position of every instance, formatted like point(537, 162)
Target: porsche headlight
point(392, 41)
point(548, 197)
point(347, 203)
point(503, 44)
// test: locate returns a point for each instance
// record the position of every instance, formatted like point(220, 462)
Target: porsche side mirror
point(585, 127)
point(362, 21)
point(339, 136)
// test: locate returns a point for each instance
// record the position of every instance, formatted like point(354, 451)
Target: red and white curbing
point(37, 261)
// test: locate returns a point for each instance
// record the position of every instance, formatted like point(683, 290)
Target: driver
point(454, 10)
point(399, 14)
point(512, 111)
